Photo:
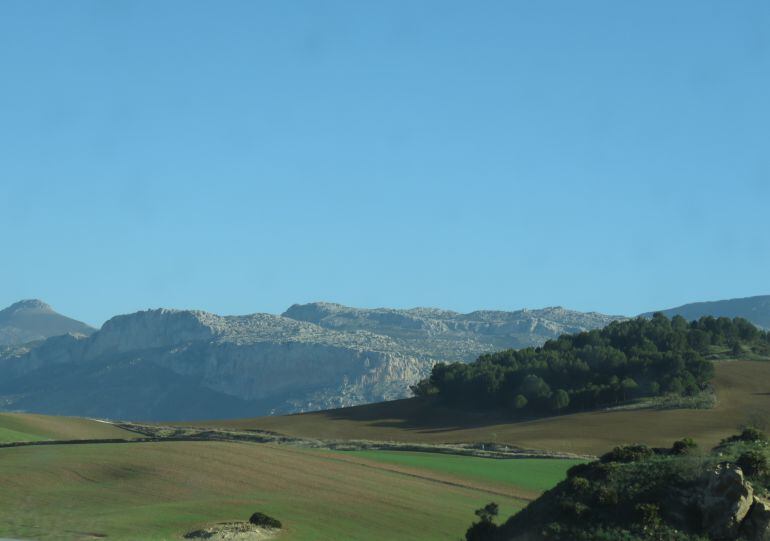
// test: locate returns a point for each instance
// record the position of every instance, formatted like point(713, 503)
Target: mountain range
point(186, 364)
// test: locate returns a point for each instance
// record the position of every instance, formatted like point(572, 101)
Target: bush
point(481, 531)
point(753, 463)
point(752, 434)
point(520, 402)
point(648, 514)
point(485, 529)
point(748, 434)
point(264, 521)
point(628, 453)
point(684, 446)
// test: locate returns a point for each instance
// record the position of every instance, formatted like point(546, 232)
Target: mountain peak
point(29, 305)
point(32, 319)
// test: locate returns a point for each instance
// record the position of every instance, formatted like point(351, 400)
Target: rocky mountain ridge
point(182, 364)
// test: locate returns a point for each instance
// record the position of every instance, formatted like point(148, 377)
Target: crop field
point(742, 390)
point(30, 427)
point(162, 490)
point(532, 475)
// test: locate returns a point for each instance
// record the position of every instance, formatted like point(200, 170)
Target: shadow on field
point(418, 415)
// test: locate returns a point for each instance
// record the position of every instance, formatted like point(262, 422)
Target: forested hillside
point(625, 360)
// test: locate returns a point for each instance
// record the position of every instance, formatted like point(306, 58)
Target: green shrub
point(580, 485)
point(752, 434)
point(753, 463)
point(264, 521)
point(748, 434)
point(648, 514)
point(628, 453)
point(481, 531)
point(684, 446)
point(485, 529)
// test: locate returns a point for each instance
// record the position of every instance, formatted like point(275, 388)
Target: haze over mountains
point(186, 364)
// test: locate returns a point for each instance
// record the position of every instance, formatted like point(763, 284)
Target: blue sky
point(243, 156)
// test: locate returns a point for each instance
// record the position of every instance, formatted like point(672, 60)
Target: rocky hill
point(170, 364)
point(448, 335)
point(30, 320)
point(755, 309)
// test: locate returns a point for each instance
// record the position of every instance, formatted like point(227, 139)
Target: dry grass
point(743, 396)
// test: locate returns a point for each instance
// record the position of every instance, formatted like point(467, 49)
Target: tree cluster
point(625, 360)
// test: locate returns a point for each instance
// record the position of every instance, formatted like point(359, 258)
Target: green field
point(161, 490)
point(533, 474)
point(9, 435)
point(31, 427)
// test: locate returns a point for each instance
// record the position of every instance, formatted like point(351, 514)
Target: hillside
point(31, 427)
point(637, 493)
point(755, 309)
point(159, 491)
point(30, 320)
point(742, 390)
point(175, 364)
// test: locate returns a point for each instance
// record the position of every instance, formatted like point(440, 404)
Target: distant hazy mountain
point(30, 320)
point(755, 309)
point(170, 364)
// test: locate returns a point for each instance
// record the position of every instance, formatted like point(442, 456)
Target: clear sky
point(242, 156)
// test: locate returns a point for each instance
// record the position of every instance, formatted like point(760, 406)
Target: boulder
point(727, 499)
point(756, 526)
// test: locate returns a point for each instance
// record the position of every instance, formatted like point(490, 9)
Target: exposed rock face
point(171, 364)
point(450, 335)
point(726, 501)
point(30, 320)
point(756, 526)
point(268, 363)
point(730, 508)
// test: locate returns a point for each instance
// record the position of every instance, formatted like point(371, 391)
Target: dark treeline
point(625, 360)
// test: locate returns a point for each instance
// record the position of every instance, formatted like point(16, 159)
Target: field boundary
point(159, 434)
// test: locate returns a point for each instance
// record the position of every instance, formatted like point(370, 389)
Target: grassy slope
point(30, 427)
point(161, 490)
point(743, 392)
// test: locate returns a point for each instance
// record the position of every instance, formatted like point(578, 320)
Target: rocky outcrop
point(756, 525)
point(451, 335)
point(730, 508)
point(725, 501)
